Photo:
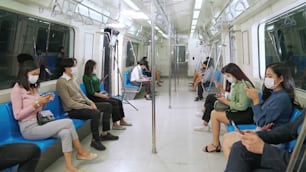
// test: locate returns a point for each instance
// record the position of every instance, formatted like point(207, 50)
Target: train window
point(39, 38)
point(285, 41)
point(131, 53)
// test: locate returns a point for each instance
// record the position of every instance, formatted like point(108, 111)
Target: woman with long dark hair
point(240, 105)
point(278, 102)
point(92, 86)
point(27, 102)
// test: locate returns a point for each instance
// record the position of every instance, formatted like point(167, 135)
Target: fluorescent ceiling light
point(116, 25)
point(196, 14)
point(157, 28)
point(132, 5)
point(193, 27)
point(194, 22)
point(134, 14)
point(198, 4)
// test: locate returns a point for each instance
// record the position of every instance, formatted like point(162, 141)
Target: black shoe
point(198, 98)
point(97, 145)
point(108, 136)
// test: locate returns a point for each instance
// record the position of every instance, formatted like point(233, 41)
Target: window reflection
point(285, 41)
point(41, 39)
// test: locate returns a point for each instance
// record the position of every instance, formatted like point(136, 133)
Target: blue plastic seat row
point(289, 146)
point(10, 129)
point(127, 82)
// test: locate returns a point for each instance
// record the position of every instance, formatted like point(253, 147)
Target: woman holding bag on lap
point(239, 104)
point(278, 102)
point(27, 103)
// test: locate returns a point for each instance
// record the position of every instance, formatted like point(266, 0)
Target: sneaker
point(97, 145)
point(201, 128)
point(199, 114)
point(198, 99)
point(148, 97)
point(108, 136)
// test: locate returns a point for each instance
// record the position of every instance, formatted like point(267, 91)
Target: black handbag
point(44, 117)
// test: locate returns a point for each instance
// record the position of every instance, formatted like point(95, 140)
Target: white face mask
point(73, 70)
point(269, 83)
point(94, 71)
point(231, 79)
point(33, 78)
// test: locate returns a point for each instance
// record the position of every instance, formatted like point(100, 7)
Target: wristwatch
point(37, 104)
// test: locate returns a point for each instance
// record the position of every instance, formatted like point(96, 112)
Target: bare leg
point(216, 119)
point(79, 148)
point(197, 81)
point(228, 140)
point(68, 160)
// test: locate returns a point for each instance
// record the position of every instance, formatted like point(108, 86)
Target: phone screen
point(235, 126)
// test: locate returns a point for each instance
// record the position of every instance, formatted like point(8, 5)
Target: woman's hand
point(45, 99)
point(267, 126)
point(252, 142)
point(252, 94)
point(103, 96)
point(93, 106)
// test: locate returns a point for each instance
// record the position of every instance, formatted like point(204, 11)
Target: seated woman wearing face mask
point(240, 105)
point(278, 102)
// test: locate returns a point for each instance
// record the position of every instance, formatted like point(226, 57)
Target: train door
point(181, 66)
point(107, 64)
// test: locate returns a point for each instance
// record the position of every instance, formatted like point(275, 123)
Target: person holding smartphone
point(92, 86)
point(278, 102)
point(255, 150)
point(26, 103)
point(240, 105)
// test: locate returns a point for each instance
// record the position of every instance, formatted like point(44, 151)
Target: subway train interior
point(177, 36)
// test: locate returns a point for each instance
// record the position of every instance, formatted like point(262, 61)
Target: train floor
point(178, 146)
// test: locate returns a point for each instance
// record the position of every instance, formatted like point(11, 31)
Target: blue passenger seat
point(230, 128)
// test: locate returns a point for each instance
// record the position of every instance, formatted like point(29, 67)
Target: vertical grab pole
point(170, 63)
point(153, 76)
point(297, 148)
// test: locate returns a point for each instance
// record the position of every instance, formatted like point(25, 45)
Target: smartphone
point(46, 94)
point(236, 128)
point(245, 84)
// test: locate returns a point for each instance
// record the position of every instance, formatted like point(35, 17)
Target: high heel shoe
point(217, 148)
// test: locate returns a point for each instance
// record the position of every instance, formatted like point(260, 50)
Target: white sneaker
point(198, 114)
point(201, 128)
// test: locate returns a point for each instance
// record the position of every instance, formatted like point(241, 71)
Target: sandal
point(217, 148)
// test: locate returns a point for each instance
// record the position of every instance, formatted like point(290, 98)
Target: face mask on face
point(33, 78)
point(94, 71)
point(73, 70)
point(269, 83)
point(231, 79)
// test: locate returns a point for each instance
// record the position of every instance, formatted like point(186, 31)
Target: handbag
point(44, 117)
point(220, 107)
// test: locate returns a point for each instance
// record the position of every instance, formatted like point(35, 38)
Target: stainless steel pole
point(297, 148)
point(153, 76)
point(170, 64)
